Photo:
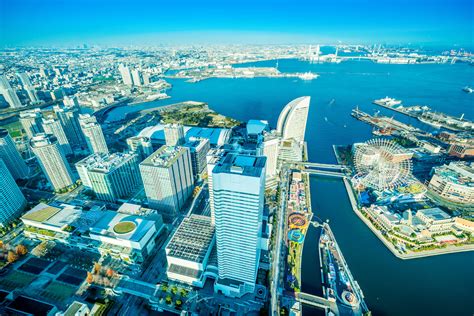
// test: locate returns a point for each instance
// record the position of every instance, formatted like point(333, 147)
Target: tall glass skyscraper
point(12, 200)
point(11, 157)
point(238, 190)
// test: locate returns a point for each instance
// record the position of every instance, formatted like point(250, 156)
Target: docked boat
point(431, 123)
point(388, 102)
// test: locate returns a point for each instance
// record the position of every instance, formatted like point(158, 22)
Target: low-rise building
point(435, 220)
point(454, 182)
point(188, 251)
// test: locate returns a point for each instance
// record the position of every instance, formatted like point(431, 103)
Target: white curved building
point(292, 120)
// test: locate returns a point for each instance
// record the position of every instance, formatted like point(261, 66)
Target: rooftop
point(53, 216)
point(192, 239)
point(165, 156)
point(256, 126)
point(216, 136)
point(111, 225)
point(458, 173)
point(435, 214)
point(246, 165)
point(42, 139)
point(105, 163)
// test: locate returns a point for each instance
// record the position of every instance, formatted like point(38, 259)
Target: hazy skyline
point(55, 22)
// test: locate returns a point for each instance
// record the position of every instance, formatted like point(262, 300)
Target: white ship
point(431, 123)
point(308, 76)
point(390, 102)
point(468, 89)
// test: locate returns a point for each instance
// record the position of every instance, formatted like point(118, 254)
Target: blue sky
point(138, 22)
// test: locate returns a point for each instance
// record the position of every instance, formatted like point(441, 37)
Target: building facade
point(110, 176)
point(52, 160)
point(11, 157)
point(12, 201)
point(54, 127)
point(454, 182)
point(238, 187)
point(31, 120)
point(174, 134)
point(198, 147)
point(92, 131)
point(168, 178)
point(292, 120)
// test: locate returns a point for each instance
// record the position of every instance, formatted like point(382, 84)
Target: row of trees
point(12, 255)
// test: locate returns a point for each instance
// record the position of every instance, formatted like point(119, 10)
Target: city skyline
point(62, 23)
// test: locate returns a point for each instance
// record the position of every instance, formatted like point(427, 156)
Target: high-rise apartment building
point(93, 134)
point(12, 201)
point(28, 87)
point(126, 75)
point(69, 118)
point(52, 160)
point(174, 134)
point(11, 157)
point(31, 120)
point(9, 93)
point(198, 147)
point(140, 145)
point(54, 127)
point(292, 119)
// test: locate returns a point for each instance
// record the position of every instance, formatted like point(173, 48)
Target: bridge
point(326, 173)
point(307, 164)
point(316, 301)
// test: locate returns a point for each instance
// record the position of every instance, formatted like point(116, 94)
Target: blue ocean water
point(439, 285)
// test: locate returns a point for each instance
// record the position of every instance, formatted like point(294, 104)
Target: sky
point(139, 22)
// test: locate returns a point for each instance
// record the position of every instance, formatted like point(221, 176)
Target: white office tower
point(292, 120)
point(52, 160)
point(126, 75)
point(54, 127)
point(140, 145)
point(69, 118)
point(168, 178)
point(269, 148)
point(93, 134)
point(174, 134)
point(12, 201)
point(199, 147)
point(110, 176)
point(28, 87)
point(9, 93)
point(31, 120)
point(137, 77)
point(213, 157)
point(238, 185)
point(70, 101)
point(11, 157)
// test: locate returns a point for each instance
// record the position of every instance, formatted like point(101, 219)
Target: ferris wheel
point(382, 164)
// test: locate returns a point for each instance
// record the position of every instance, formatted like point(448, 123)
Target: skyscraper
point(238, 186)
point(168, 178)
point(54, 127)
point(9, 93)
point(12, 201)
point(110, 176)
point(198, 147)
point(11, 157)
point(93, 134)
point(28, 87)
point(292, 120)
point(174, 134)
point(31, 120)
point(70, 101)
point(140, 145)
point(269, 148)
point(69, 118)
point(137, 77)
point(126, 75)
point(213, 157)
point(52, 160)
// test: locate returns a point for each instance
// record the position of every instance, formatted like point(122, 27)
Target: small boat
point(468, 89)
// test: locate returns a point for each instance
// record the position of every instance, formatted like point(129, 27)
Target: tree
point(21, 250)
point(164, 288)
point(12, 257)
point(178, 303)
point(97, 267)
point(90, 277)
point(174, 290)
point(168, 299)
point(110, 273)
